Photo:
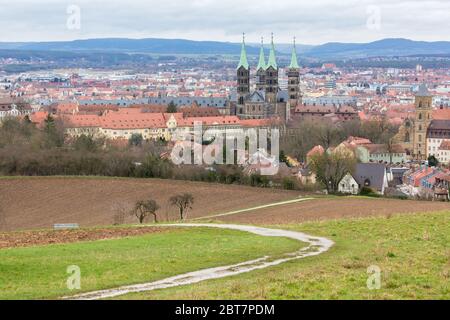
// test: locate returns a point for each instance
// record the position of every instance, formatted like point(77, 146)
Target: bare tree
point(330, 168)
point(120, 211)
point(144, 208)
point(327, 135)
point(184, 202)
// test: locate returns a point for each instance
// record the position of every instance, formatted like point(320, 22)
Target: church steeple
point(262, 58)
point(272, 59)
point(261, 70)
point(272, 76)
point(294, 60)
point(294, 81)
point(243, 77)
point(424, 116)
point(243, 62)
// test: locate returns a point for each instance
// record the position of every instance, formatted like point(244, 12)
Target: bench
point(65, 226)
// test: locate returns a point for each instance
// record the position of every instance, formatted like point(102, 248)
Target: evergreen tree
point(172, 107)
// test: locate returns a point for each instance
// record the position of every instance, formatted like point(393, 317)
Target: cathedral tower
point(424, 116)
point(261, 70)
point(294, 79)
point(243, 76)
point(272, 76)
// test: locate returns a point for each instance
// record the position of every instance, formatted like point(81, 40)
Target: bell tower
point(272, 76)
point(423, 118)
point(294, 79)
point(261, 69)
point(243, 77)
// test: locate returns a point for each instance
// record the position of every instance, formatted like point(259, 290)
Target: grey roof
point(257, 96)
point(180, 101)
point(201, 101)
point(372, 173)
point(439, 129)
point(423, 91)
point(117, 102)
point(282, 95)
point(439, 125)
point(331, 100)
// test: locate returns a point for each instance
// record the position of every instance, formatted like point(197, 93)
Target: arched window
point(420, 116)
point(407, 124)
point(407, 137)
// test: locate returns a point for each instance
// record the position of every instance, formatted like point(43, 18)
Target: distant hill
point(156, 46)
point(332, 50)
point(385, 47)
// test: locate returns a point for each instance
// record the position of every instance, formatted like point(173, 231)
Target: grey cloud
point(311, 21)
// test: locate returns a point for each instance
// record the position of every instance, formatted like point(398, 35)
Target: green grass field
point(41, 272)
point(412, 251)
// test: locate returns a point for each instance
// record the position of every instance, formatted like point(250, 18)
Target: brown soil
point(39, 203)
point(34, 238)
point(322, 209)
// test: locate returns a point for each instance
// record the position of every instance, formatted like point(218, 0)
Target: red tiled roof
point(38, 117)
point(316, 150)
point(132, 120)
point(441, 114)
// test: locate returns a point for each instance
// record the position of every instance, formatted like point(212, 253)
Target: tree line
point(312, 133)
point(26, 150)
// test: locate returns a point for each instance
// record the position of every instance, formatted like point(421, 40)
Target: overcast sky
point(311, 21)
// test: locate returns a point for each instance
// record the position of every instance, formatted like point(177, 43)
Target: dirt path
point(316, 246)
point(254, 208)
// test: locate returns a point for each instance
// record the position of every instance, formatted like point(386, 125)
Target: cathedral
point(413, 133)
point(265, 99)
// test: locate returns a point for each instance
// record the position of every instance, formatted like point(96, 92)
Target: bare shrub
point(120, 212)
point(184, 202)
point(2, 219)
point(145, 208)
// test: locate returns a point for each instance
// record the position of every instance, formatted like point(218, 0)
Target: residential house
point(372, 175)
point(348, 185)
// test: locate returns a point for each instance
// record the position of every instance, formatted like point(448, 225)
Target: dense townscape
point(394, 124)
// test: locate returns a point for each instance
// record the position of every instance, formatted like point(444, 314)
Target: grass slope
point(412, 251)
point(40, 272)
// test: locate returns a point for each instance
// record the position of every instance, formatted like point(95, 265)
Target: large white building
point(438, 140)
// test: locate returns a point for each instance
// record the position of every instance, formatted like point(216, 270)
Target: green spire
point(294, 60)
point(262, 58)
point(272, 60)
point(243, 62)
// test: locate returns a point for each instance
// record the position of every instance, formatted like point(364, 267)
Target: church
point(428, 132)
point(265, 99)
